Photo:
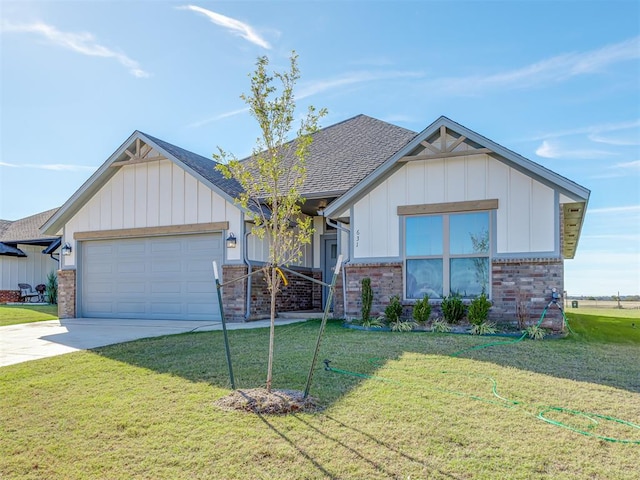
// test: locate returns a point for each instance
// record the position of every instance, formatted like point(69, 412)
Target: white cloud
point(550, 70)
point(235, 26)
point(59, 167)
point(215, 118)
point(619, 209)
point(313, 88)
point(592, 130)
point(550, 150)
point(617, 141)
point(351, 78)
point(83, 43)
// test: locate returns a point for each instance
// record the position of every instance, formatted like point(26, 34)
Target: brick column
point(234, 294)
point(66, 294)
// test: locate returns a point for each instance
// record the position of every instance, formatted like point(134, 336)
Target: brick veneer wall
point(66, 293)
point(300, 294)
point(386, 281)
point(529, 281)
point(9, 296)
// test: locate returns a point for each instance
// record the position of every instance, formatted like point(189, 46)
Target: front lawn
point(14, 314)
point(396, 405)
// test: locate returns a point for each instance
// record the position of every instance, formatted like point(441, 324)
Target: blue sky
point(557, 82)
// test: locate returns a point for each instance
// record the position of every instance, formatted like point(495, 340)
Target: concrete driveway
point(30, 341)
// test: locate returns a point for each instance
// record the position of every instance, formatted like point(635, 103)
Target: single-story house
point(433, 213)
point(26, 255)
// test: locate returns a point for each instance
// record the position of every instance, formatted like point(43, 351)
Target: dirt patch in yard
point(276, 402)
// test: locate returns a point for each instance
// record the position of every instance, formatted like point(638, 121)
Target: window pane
point(469, 276)
point(424, 277)
point(469, 233)
point(423, 236)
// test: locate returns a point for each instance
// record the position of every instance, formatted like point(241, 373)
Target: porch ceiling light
point(66, 249)
point(231, 241)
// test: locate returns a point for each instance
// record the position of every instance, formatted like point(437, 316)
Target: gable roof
point(574, 215)
point(200, 167)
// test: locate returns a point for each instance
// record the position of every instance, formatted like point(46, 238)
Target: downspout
point(346, 260)
point(245, 257)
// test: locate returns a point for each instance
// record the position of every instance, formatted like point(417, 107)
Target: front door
point(330, 257)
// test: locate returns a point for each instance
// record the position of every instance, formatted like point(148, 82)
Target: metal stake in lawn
point(327, 306)
point(224, 326)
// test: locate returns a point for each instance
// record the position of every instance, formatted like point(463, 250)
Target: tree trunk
point(272, 331)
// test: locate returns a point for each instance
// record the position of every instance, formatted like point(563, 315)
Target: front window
point(447, 254)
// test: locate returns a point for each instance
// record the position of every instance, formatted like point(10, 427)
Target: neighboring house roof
point(574, 216)
point(26, 230)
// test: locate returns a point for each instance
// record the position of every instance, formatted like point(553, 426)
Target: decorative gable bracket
point(444, 143)
point(138, 152)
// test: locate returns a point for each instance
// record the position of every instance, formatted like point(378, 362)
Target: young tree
point(273, 176)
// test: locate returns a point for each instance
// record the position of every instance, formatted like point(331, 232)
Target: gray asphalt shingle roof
point(201, 165)
point(25, 229)
point(343, 154)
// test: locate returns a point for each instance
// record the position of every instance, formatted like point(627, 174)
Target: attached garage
point(159, 277)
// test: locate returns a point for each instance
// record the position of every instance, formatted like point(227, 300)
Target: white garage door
point(151, 278)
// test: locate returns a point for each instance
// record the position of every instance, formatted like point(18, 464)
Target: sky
point(555, 81)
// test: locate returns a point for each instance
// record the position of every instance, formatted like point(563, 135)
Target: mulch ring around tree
point(276, 402)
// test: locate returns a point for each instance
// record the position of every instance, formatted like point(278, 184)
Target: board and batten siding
point(526, 216)
point(258, 250)
point(32, 270)
point(153, 194)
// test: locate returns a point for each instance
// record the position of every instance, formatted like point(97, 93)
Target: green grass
point(606, 312)
point(14, 314)
point(145, 409)
point(605, 328)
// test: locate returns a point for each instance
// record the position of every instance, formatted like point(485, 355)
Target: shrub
point(452, 308)
point(484, 328)
point(479, 310)
point(535, 332)
point(402, 325)
point(440, 325)
point(52, 288)
point(373, 322)
point(367, 299)
point(393, 311)
point(422, 310)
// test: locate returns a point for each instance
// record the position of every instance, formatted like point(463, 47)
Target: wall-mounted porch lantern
point(66, 249)
point(231, 241)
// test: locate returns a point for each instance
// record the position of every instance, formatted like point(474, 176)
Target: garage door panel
point(166, 247)
point(167, 266)
point(166, 287)
point(105, 308)
point(155, 278)
point(98, 268)
point(166, 307)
